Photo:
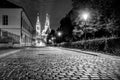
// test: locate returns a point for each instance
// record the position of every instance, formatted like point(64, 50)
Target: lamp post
point(53, 39)
point(85, 17)
point(59, 34)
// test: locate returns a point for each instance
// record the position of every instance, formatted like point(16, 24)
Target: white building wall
point(26, 28)
point(14, 20)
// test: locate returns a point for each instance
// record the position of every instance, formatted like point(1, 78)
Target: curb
point(8, 53)
point(93, 53)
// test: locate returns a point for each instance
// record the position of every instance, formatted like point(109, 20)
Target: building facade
point(41, 35)
point(15, 26)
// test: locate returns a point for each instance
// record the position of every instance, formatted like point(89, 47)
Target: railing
point(8, 39)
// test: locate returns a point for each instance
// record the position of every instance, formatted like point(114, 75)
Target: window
point(5, 19)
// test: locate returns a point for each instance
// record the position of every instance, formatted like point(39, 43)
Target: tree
point(51, 34)
point(104, 17)
point(66, 28)
point(111, 26)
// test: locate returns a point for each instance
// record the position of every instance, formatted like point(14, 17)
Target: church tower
point(38, 26)
point(46, 29)
point(41, 35)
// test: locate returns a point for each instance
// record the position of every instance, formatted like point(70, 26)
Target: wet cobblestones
point(52, 65)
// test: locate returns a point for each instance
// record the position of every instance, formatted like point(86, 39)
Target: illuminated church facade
point(41, 35)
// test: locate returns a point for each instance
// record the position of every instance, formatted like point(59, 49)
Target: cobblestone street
point(51, 63)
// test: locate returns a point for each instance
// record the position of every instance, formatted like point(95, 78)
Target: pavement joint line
point(8, 53)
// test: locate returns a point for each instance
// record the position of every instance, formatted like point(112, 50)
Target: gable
point(7, 4)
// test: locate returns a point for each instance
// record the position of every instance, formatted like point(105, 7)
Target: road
point(52, 63)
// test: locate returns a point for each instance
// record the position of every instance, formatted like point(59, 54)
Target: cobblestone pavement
point(57, 64)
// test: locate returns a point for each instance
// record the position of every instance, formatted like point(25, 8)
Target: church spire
point(38, 25)
point(47, 25)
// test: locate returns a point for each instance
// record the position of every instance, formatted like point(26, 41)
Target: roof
point(7, 4)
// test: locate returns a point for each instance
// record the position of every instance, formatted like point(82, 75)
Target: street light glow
point(53, 38)
point(59, 34)
point(85, 15)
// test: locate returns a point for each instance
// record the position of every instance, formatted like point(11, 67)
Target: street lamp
point(85, 17)
point(59, 34)
point(53, 40)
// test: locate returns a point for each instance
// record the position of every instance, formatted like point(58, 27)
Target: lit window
point(5, 19)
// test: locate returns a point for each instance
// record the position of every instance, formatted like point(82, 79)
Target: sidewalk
point(6, 50)
point(93, 53)
point(8, 53)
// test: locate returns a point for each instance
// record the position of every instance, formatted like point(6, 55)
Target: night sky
point(57, 9)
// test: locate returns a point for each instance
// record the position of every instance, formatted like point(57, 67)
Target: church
point(41, 35)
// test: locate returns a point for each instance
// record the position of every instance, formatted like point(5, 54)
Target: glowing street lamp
point(50, 40)
point(53, 38)
point(85, 17)
point(59, 34)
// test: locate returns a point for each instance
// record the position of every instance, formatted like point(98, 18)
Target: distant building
point(15, 26)
point(41, 35)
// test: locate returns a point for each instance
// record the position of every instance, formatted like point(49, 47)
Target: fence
point(7, 38)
